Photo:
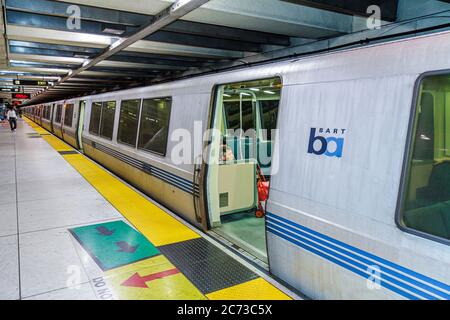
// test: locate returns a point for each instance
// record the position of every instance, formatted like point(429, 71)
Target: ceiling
point(120, 44)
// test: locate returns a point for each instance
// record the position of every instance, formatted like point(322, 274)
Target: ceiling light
point(226, 95)
point(269, 92)
point(81, 56)
point(254, 89)
point(115, 44)
point(113, 29)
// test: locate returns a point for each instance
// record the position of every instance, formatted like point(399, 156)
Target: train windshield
point(426, 206)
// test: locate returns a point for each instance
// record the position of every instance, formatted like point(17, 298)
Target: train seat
point(438, 188)
point(433, 219)
point(243, 149)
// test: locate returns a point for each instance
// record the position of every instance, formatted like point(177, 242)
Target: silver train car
point(354, 146)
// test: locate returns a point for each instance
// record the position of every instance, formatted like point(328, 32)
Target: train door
point(52, 109)
point(238, 162)
point(80, 124)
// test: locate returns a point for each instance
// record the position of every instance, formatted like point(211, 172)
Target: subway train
point(353, 147)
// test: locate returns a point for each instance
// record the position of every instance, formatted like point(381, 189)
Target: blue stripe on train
point(302, 236)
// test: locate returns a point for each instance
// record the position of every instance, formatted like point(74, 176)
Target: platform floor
point(71, 230)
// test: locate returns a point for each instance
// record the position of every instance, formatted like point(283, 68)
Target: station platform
point(69, 229)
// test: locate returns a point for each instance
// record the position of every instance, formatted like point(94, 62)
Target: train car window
point(426, 203)
point(58, 113)
point(47, 112)
point(128, 121)
point(68, 115)
point(107, 119)
point(154, 127)
point(269, 117)
point(94, 122)
point(233, 115)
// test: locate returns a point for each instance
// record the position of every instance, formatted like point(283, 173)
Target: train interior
point(427, 203)
point(239, 166)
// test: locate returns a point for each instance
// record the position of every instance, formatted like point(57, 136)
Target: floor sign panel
point(151, 279)
point(114, 244)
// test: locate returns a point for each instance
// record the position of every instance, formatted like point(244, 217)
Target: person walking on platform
point(12, 118)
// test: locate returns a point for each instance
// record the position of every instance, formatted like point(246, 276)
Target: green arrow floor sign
point(114, 244)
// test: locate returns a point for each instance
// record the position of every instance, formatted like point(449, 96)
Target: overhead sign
point(10, 89)
point(21, 96)
point(40, 83)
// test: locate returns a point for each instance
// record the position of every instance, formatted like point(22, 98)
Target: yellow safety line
point(159, 227)
point(257, 289)
point(55, 142)
point(155, 224)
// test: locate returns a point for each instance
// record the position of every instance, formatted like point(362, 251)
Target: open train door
point(238, 162)
point(80, 125)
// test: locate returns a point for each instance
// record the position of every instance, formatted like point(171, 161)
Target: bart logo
point(330, 146)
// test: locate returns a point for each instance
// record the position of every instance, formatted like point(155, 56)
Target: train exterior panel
point(346, 124)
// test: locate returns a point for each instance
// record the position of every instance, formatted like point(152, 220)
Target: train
point(353, 147)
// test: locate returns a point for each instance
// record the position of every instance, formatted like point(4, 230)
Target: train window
point(47, 112)
point(68, 115)
point(107, 119)
point(426, 204)
point(94, 122)
point(154, 127)
point(269, 115)
point(128, 121)
point(58, 113)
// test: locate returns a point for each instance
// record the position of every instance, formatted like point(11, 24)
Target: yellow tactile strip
point(257, 289)
point(155, 224)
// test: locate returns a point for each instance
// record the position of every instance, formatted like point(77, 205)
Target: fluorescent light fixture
point(81, 56)
point(180, 3)
point(269, 92)
point(254, 89)
point(113, 31)
point(115, 44)
point(245, 94)
point(12, 72)
point(226, 95)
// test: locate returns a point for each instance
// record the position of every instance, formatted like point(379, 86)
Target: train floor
point(246, 231)
point(69, 229)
